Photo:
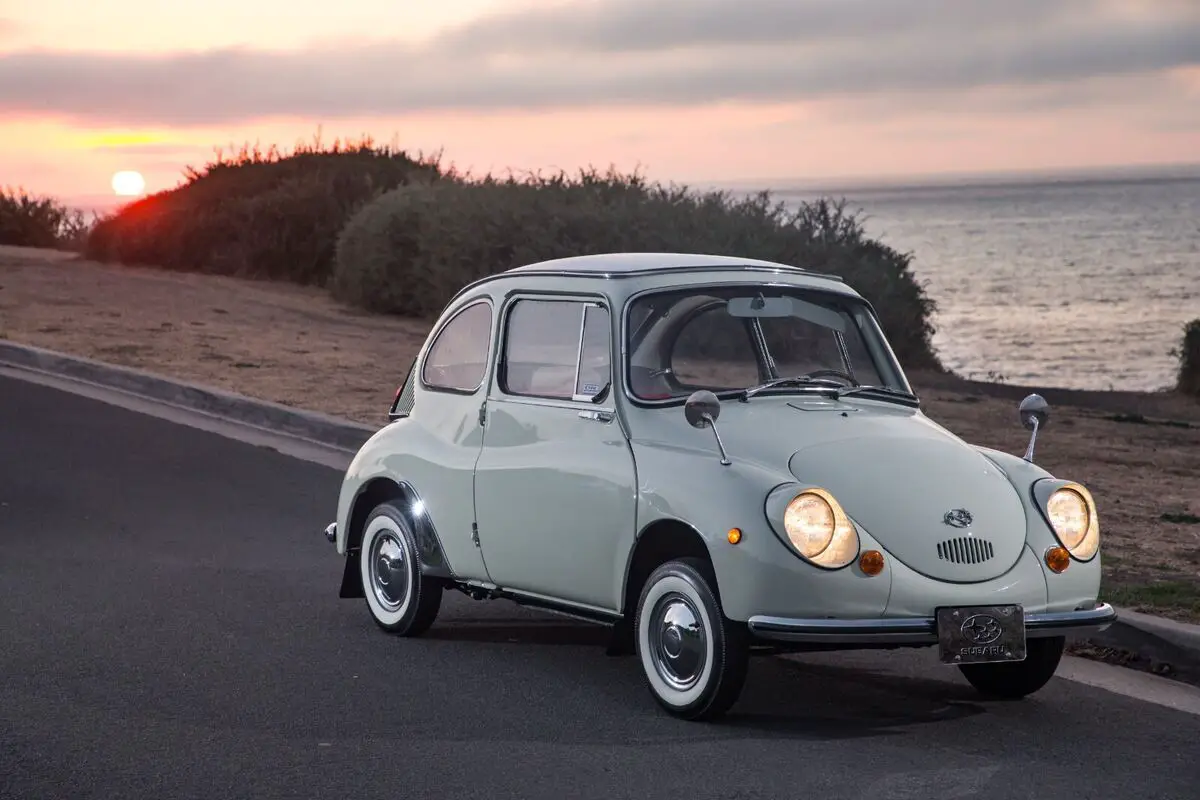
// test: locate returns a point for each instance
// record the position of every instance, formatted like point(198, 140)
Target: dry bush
point(1189, 360)
point(28, 220)
point(255, 213)
point(411, 249)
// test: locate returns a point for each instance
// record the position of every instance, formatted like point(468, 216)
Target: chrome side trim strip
point(915, 630)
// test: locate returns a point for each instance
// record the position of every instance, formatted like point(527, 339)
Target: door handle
point(596, 416)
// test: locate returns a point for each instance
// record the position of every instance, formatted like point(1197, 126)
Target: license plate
point(981, 634)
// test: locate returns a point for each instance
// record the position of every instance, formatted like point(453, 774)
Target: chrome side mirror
point(1034, 412)
point(701, 411)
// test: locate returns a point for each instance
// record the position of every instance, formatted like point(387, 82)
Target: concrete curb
point(320, 428)
point(1167, 646)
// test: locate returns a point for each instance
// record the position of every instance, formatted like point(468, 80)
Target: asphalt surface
point(170, 627)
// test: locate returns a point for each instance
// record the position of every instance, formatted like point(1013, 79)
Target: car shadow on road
point(495, 630)
point(782, 697)
point(785, 697)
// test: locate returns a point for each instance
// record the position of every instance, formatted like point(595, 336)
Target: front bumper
point(916, 630)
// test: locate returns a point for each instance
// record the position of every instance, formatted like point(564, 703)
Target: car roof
point(615, 265)
point(655, 267)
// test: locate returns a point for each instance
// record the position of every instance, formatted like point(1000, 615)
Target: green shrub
point(256, 214)
point(1189, 360)
point(411, 249)
point(27, 220)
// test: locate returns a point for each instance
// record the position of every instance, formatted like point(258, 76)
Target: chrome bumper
point(331, 532)
point(917, 630)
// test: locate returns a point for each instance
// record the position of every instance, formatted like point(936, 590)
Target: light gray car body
point(567, 504)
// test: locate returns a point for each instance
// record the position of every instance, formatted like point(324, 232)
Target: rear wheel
point(1015, 680)
point(401, 599)
point(693, 657)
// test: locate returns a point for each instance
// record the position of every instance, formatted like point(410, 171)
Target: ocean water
point(1078, 283)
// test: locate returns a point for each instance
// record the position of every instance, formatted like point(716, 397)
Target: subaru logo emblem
point(958, 518)
point(981, 629)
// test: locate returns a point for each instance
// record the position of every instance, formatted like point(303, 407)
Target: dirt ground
point(1139, 453)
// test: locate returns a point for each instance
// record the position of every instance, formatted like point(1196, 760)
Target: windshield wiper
point(801, 380)
point(887, 390)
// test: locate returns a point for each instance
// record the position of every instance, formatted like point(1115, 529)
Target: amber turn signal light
point(871, 562)
point(735, 535)
point(1058, 559)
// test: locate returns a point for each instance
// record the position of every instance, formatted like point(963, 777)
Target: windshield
point(731, 338)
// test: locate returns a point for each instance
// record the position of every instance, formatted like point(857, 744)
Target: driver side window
point(556, 349)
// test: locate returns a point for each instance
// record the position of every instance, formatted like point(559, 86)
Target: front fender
point(1079, 586)
point(759, 574)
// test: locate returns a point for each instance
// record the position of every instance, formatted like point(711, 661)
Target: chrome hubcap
point(678, 641)
point(389, 565)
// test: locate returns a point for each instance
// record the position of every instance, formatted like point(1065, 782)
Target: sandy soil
point(1139, 453)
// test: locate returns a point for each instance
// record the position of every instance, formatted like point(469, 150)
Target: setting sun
point(128, 183)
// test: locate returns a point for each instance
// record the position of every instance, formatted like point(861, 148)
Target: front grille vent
point(965, 550)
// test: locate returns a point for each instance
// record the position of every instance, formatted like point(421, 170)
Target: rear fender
point(431, 556)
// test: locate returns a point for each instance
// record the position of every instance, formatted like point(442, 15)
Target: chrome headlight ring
point(1070, 511)
point(813, 525)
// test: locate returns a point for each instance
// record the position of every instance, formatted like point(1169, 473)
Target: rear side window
point(557, 349)
point(457, 359)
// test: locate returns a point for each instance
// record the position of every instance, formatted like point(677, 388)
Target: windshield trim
point(878, 347)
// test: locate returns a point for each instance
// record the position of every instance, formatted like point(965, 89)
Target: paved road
point(169, 627)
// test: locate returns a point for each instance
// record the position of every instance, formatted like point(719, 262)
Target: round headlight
point(1072, 514)
point(809, 524)
point(819, 529)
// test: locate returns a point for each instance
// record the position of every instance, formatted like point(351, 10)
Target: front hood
point(931, 500)
point(896, 472)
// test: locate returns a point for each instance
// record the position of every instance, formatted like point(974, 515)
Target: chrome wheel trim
point(387, 569)
point(677, 641)
point(676, 687)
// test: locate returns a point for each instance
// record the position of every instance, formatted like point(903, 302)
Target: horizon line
point(884, 182)
point(966, 178)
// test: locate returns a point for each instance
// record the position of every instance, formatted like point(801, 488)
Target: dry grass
point(295, 345)
point(286, 343)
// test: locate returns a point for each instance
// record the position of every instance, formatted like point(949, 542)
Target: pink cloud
point(628, 53)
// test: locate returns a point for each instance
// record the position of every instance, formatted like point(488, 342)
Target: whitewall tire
point(693, 658)
point(400, 598)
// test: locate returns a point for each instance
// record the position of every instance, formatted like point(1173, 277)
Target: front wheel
point(401, 599)
point(694, 659)
point(1015, 680)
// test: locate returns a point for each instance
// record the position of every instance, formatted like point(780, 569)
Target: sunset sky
point(689, 90)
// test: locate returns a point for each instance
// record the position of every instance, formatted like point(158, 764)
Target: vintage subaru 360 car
point(556, 443)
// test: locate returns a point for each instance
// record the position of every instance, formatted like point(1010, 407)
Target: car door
point(555, 491)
